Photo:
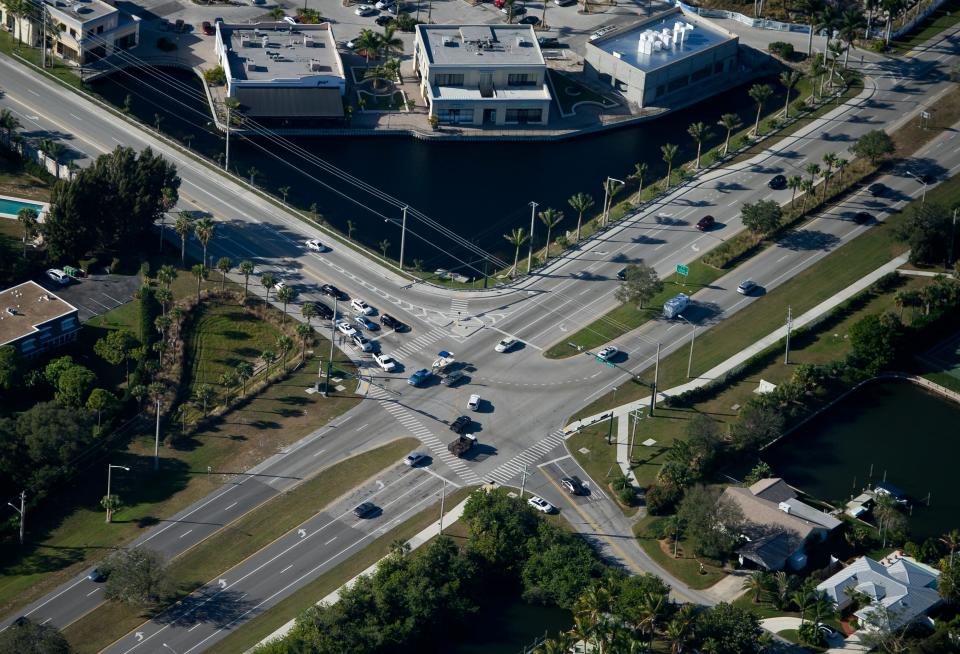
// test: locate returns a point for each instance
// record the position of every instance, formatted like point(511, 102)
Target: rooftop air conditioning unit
point(251, 67)
point(307, 41)
point(245, 41)
point(316, 66)
point(449, 41)
point(265, 41)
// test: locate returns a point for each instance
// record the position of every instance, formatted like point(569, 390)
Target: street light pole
point(786, 354)
point(656, 378)
point(22, 511)
point(693, 336)
point(443, 494)
point(156, 440)
point(523, 480)
point(110, 468)
point(610, 428)
point(533, 209)
point(403, 236)
point(608, 198)
point(333, 337)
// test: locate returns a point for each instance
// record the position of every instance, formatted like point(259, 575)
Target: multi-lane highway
point(528, 397)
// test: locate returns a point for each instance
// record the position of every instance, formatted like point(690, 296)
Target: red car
point(207, 28)
point(499, 3)
point(706, 223)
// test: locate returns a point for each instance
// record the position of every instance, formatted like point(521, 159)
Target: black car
point(548, 42)
point(572, 485)
point(383, 20)
point(622, 274)
point(365, 510)
point(323, 311)
point(878, 189)
point(390, 322)
point(862, 218)
point(333, 291)
point(529, 20)
point(96, 576)
point(460, 425)
point(778, 183)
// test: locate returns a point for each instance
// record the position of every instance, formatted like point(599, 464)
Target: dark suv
point(365, 510)
point(323, 311)
point(390, 322)
point(333, 291)
point(460, 425)
point(778, 183)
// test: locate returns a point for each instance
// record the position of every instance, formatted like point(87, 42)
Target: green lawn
point(244, 537)
point(569, 93)
point(382, 102)
point(946, 16)
point(63, 72)
point(250, 633)
point(685, 567)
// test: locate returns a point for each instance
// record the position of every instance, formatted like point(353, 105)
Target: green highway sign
point(604, 361)
point(682, 270)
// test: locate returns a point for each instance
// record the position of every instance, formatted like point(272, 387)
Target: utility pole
point(633, 434)
point(953, 234)
point(43, 44)
point(443, 494)
point(656, 378)
point(693, 335)
point(786, 354)
point(403, 236)
point(22, 511)
point(533, 210)
point(523, 480)
point(156, 441)
point(333, 336)
point(226, 160)
point(110, 468)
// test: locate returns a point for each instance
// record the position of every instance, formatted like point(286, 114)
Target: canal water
point(509, 626)
point(479, 190)
point(905, 433)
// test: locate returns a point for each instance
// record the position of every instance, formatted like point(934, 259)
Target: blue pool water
point(11, 207)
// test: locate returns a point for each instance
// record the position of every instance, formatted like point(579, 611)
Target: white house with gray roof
point(906, 588)
point(482, 74)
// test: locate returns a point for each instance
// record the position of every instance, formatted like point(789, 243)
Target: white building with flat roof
point(482, 74)
point(279, 70)
point(88, 29)
point(668, 57)
point(34, 320)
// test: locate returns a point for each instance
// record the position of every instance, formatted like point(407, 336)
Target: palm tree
point(827, 19)
point(516, 238)
point(183, 226)
point(851, 23)
point(802, 599)
point(284, 344)
point(757, 583)
point(668, 152)
point(200, 271)
point(813, 170)
point(759, 93)
point(304, 332)
point(829, 160)
point(639, 171)
point(699, 132)
point(835, 48)
point(350, 228)
point(369, 43)
point(384, 246)
point(677, 635)
point(817, 72)
point(892, 8)
point(807, 192)
point(389, 43)
point(224, 264)
point(841, 165)
point(267, 280)
point(729, 122)
point(204, 230)
point(580, 202)
point(550, 218)
point(284, 190)
point(8, 123)
point(244, 372)
point(794, 183)
point(783, 587)
point(286, 295)
point(203, 395)
point(29, 220)
point(309, 311)
point(252, 172)
point(246, 269)
point(789, 79)
point(952, 540)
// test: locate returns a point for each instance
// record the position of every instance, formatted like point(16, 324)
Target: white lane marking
point(331, 540)
point(230, 507)
point(287, 568)
point(185, 533)
point(76, 117)
point(46, 621)
point(320, 452)
point(34, 92)
point(92, 592)
point(194, 627)
point(361, 427)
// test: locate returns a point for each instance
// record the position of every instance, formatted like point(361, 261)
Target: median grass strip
point(252, 632)
point(945, 17)
point(239, 540)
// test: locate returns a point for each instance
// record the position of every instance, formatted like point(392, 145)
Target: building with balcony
point(80, 31)
point(284, 71)
point(34, 320)
point(482, 74)
point(668, 60)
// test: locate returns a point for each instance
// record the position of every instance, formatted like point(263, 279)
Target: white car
point(364, 10)
point(362, 343)
point(58, 276)
point(365, 323)
point(315, 245)
point(505, 344)
point(350, 45)
point(414, 458)
point(360, 306)
point(346, 328)
point(385, 361)
point(385, 4)
point(541, 504)
point(280, 284)
point(608, 352)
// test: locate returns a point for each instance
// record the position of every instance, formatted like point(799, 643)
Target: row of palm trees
point(379, 45)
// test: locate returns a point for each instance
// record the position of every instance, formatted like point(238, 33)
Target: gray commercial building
point(669, 58)
point(34, 320)
point(482, 74)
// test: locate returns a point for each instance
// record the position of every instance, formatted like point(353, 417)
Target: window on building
point(718, 67)
point(661, 90)
point(676, 84)
point(73, 32)
point(701, 73)
point(523, 116)
point(521, 79)
point(100, 31)
point(448, 79)
point(455, 116)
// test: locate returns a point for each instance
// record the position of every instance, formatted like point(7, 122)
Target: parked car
point(529, 20)
point(58, 276)
point(877, 190)
point(362, 344)
point(499, 4)
point(207, 28)
point(778, 183)
point(315, 245)
point(365, 10)
point(453, 378)
point(360, 306)
point(365, 510)
point(608, 352)
point(323, 311)
point(383, 20)
point(333, 291)
point(862, 218)
point(290, 19)
point(419, 377)
point(414, 458)
point(564, 3)
point(460, 425)
point(746, 287)
point(706, 223)
point(350, 45)
point(390, 322)
point(505, 344)
point(346, 328)
point(385, 4)
point(518, 10)
point(365, 323)
point(474, 402)
point(548, 42)
point(385, 361)
point(572, 485)
point(541, 504)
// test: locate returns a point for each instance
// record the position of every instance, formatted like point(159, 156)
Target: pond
point(897, 429)
point(508, 626)
point(479, 190)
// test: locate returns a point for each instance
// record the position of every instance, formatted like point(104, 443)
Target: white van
point(474, 402)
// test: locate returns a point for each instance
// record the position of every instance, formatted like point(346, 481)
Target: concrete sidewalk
point(623, 411)
point(421, 538)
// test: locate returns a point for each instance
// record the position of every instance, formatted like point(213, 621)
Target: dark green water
point(903, 431)
point(480, 190)
point(507, 627)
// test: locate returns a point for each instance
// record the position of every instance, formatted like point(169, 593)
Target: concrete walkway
point(838, 643)
point(623, 411)
point(421, 538)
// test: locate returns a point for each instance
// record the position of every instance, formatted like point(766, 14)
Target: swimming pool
point(10, 206)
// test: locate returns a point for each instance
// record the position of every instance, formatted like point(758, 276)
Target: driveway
point(95, 294)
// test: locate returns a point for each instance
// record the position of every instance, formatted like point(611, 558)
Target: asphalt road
point(528, 396)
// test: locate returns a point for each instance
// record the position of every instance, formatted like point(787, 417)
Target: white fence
point(29, 151)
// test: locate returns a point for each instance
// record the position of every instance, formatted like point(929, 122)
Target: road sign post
point(684, 271)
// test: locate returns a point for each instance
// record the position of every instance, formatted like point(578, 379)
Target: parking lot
point(95, 294)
